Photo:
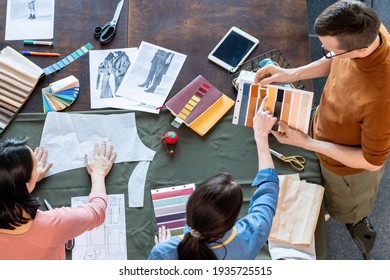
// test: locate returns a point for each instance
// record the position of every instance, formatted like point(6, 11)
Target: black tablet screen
point(233, 49)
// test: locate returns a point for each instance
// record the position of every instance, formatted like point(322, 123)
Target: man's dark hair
point(353, 23)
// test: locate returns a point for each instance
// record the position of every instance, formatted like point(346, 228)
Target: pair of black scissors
point(106, 32)
point(69, 245)
point(296, 162)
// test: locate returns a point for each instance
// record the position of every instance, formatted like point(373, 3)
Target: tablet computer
point(233, 49)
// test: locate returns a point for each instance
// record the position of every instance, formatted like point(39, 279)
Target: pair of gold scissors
point(297, 162)
point(69, 245)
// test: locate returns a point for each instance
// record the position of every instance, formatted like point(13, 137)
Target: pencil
point(32, 42)
point(40, 53)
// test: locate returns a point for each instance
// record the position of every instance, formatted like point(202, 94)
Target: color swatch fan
point(60, 94)
point(170, 207)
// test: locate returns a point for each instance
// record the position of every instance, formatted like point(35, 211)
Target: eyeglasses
point(329, 54)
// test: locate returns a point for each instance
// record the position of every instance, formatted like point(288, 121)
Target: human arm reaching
point(275, 74)
point(349, 156)
point(263, 122)
point(100, 166)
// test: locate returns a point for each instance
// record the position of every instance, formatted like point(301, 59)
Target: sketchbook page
point(107, 69)
point(30, 19)
point(152, 76)
point(108, 241)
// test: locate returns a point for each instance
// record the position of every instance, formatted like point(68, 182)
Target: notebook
point(200, 105)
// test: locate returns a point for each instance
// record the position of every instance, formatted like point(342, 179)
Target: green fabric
point(225, 148)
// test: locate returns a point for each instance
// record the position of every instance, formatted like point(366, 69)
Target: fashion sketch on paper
point(111, 72)
point(158, 68)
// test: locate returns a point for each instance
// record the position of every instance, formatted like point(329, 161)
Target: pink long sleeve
point(50, 230)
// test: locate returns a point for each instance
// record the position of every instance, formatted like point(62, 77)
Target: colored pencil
point(40, 53)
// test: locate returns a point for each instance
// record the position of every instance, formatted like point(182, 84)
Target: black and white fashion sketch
point(159, 66)
point(152, 75)
point(111, 72)
point(31, 6)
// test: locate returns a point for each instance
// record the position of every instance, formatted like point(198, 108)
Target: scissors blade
point(47, 204)
point(117, 11)
point(275, 153)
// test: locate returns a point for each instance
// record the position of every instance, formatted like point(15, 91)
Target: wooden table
point(189, 27)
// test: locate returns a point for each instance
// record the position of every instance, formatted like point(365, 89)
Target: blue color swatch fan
point(60, 94)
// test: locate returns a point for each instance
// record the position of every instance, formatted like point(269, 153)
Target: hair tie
point(195, 234)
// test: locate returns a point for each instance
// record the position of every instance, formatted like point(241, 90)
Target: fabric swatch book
point(170, 207)
point(200, 105)
point(291, 105)
point(18, 78)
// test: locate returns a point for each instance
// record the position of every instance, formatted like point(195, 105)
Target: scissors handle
point(105, 33)
point(297, 162)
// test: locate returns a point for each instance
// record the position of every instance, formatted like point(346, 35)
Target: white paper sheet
point(68, 137)
point(152, 76)
point(107, 67)
point(108, 241)
point(20, 24)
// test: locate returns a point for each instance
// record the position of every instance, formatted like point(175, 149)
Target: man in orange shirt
point(351, 127)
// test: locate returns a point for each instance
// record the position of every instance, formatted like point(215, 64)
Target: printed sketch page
point(107, 69)
point(108, 241)
point(30, 19)
point(152, 76)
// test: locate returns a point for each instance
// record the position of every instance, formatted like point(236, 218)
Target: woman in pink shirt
point(25, 231)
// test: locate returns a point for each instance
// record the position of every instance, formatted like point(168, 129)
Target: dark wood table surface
point(189, 27)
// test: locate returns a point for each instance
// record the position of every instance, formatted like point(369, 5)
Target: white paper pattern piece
point(108, 241)
point(68, 137)
point(136, 184)
point(29, 19)
point(152, 76)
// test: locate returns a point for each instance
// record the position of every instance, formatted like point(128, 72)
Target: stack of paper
point(61, 94)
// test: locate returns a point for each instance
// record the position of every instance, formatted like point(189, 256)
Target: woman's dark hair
point(16, 166)
point(353, 23)
point(211, 211)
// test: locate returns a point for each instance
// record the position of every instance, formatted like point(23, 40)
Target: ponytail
point(191, 248)
point(211, 211)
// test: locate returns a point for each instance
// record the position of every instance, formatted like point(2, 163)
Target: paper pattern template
point(293, 106)
point(29, 19)
point(170, 206)
point(82, 131)
point(152, 76)
point(108, 241)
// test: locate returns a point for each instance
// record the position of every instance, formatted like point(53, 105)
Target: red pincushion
point(171, 137)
